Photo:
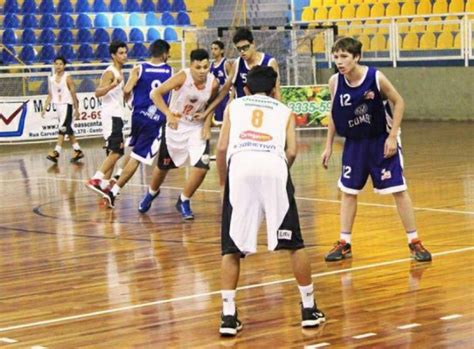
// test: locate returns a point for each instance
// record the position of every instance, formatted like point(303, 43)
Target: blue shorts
point(145, 138)
point(362, 157)
point(219, 112)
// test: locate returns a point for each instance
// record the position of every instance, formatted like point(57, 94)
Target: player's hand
point(76, 114)
point(325, 156)
point(172, 120)
point(199, 116)
point(390, 148)
point(42, 113)
point(206, 132)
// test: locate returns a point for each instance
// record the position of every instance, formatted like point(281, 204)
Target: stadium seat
point(28, 54)
point(28, 37)
point(424, 7)
point(84, 36)
point(435, 24)
point(378, 43)
point(65, 21)
point(132, 6)
point(136, 20)
point(148, 6)
point(370, 26)
point(83, 6)
point(470, 6)
point(307, 14)
point(440, 6)
point(392, 10)
point(138, 51)
point(451, 26)
point(384, 26)
point(355, 28)
point(428, 41)
point(118, 34)
point(334, 12)
point(319, 44)
point(67, 52)
point(47, 36)
point(118, 21)
point(342, 2)
point(116, 6)
point(136, 35)
point(85, 53)
point(315, 3)
point(47, 21)
point(101, 36)
point(321, 14)
point(99, 6)
point(362, 11)
point(46, 54)
point(170, 34)
point(86, 85)
point(329, 3)
point(83, 20)
point(408, 8)
point(348, 12)
point(65, 6)
point(167, 19)
point(410, 42)
point(445, 41)
point(457, 41)
point(7, 57)
point(151, 19)
point(9, 37)
point(102, 52)
point(402, 28)
point(11, 21)
point(178, 5)
point(65, 37)
point(29, 21)
point(152, 34)
point(456, 6)
point(46, 6)
point(10, 6)
point(28, 6)
point(182, 18)
point(163, 6)
point(364, 39)
point(418, 28)
point(101, 20)
point(377, 10)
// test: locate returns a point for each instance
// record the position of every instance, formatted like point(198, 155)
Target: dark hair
point(242, 34)
point(218, 43)
point(348, 44)
point(199, 54)
point(60, 58)
point(159, 47)
point(261, 79)
point(115, 45)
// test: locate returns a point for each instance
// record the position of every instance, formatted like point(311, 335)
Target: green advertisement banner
point(311, 104)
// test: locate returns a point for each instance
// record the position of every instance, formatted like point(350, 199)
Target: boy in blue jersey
point(361, 114)
point(220, 68)
point(147, 120)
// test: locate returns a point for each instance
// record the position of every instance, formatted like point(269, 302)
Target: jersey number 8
point(257, 118)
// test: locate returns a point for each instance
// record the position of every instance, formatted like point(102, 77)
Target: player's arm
point(75, 101)
point(222, 145)
point(390, 92)
point(132, 82)
point(107, 83)
point(46, 103)
point(290, 148)
point(228, 68)
point(326, 155)
point(175, 82)
point(206, 129)
point(274, 64)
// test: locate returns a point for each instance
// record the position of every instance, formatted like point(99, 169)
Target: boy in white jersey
point(258, 129)
point(185, 138)
point(111, 91)
point(62, 93)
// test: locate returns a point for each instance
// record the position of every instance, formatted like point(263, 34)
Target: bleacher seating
point(46, 54)
point(28, 54)
point(47, 6)
point(47, 37)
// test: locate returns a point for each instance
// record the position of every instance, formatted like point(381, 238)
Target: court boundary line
point(207, 294)
point(370, 204)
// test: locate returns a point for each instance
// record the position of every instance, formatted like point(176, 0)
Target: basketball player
point(258, 129)
point(147, 121)
point(220, 68)
point(186, 136)
point(249, 58)
point(62, 93)
point(361, 114)
point(110, 89)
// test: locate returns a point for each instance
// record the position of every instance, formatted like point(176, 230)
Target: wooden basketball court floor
point(75, 274)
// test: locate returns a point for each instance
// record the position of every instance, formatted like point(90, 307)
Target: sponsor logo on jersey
point(205, 159)
point(361, 109)
point(369, 94)
point(386, 174)
point(256, 136)
point(284, 234)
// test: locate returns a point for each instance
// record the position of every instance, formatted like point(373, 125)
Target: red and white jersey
point(257, 124)
point(60, 93)
point(113, 102)
point(189, 100)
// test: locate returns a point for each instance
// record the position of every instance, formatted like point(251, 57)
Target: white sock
point(228, 302)
point(98, 175)
point(115, 189)
point(307, 295)
point(118, 173)
point(152, 192)
point(104, 184)
point(346, 237)
point(412, 235)
point(184, 198)
point(76, 146)
point(58, 148)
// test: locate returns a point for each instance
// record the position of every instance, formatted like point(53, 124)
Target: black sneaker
point(311, 317)
point(340, 251)
point(78, 155)
point(418, 252)
point(53, 156)
point(110, 199)
point(230, 325)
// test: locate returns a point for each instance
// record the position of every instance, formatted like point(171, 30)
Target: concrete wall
point(431, 93)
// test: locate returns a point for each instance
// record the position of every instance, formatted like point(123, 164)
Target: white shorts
point(257, 192)
point(65, 119)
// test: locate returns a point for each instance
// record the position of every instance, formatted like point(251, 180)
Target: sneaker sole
point(312, 323)
point(230, 332)
point(50, 158)
point(347, 255)
point(95, 190)
point(108, 202)
point(420, 260)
